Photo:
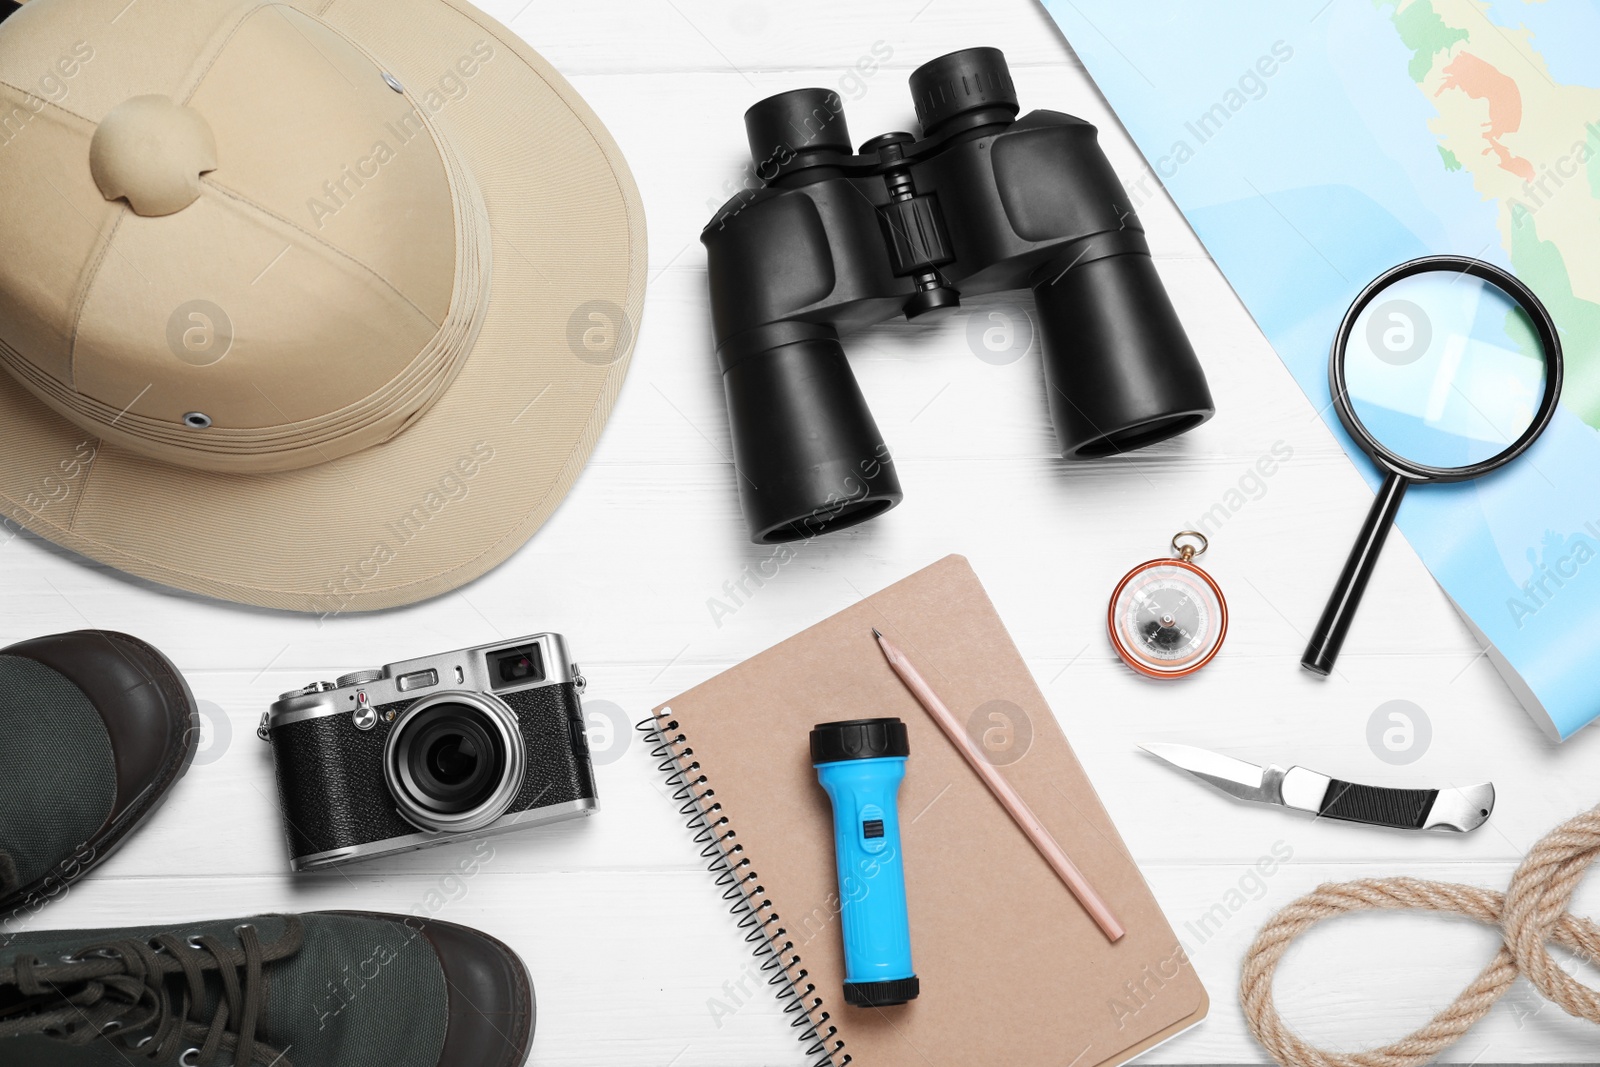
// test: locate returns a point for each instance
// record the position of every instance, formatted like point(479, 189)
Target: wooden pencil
point(1009, 798)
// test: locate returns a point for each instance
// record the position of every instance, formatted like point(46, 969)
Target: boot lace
point(151, 996)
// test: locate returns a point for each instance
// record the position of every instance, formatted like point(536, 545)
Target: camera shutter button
point(365, 717)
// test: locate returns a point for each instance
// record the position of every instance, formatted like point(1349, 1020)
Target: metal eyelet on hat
point(197, 420)
point(394, 83)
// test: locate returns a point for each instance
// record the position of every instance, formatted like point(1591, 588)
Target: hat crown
point(151, 150)
point(405, 175)
point(240, 246)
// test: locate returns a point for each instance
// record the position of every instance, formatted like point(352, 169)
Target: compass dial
point(1167, 618)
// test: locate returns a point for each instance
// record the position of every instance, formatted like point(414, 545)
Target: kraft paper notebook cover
point(1013, 970)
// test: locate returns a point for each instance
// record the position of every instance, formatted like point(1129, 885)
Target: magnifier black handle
point(1335, 622)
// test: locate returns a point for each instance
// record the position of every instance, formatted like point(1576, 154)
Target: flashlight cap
point(882, 994)
point(833, 742)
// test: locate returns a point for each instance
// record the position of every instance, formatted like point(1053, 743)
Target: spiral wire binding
point(742, 887)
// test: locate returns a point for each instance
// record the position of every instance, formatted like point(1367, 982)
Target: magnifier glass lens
point(1444, 369)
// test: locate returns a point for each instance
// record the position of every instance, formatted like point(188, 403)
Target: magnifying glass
point(1444, 369)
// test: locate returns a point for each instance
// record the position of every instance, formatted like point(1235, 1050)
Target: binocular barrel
point(1119, 372)
point(808, 455)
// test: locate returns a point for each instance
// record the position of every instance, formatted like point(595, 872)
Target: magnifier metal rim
point(1512, 287)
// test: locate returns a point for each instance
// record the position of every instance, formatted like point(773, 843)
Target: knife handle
point(1404, 809)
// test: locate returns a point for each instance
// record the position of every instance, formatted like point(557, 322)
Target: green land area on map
point(1530, 144)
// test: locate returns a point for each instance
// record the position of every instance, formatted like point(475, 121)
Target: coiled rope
point(1531, 914)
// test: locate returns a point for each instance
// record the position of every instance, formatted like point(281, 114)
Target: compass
point(1167, 618)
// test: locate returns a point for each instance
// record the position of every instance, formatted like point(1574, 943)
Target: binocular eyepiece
point(836, 238)
point(973, 86)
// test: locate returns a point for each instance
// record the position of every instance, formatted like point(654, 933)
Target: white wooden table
point(635, 959)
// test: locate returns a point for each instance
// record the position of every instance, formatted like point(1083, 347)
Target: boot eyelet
point(97, 954)
point(193, 942)
point(191, 1058)
point(239, 930)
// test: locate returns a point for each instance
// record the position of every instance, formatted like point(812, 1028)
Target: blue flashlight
point(860, 763)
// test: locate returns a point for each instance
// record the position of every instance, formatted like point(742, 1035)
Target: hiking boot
point(97, 727)
point(331, 989)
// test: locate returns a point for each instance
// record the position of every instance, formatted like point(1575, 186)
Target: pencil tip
point(876, 633)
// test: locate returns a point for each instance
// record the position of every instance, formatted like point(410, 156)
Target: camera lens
point(452, 758)
point(455, 763)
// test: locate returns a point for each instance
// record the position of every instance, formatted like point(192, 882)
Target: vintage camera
point(836, 239)
point(460, 745)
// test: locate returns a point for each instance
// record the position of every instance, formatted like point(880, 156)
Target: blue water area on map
point(1564, 32)
point(1532, 545)
point(1301, 256)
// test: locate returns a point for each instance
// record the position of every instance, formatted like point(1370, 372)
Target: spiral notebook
point(1013, 970)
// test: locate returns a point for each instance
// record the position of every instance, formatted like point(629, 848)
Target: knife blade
point(1451, 810)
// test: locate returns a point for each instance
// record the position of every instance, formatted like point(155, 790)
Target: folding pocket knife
point(1454, 810)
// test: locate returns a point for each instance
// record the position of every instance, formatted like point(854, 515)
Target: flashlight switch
point(872, 828)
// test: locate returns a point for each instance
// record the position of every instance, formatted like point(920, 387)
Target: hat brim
point(467, 483)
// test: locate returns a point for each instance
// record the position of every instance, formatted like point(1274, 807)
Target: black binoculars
point(834, 240)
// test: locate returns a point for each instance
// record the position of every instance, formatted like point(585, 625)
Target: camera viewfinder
point(510, 667)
